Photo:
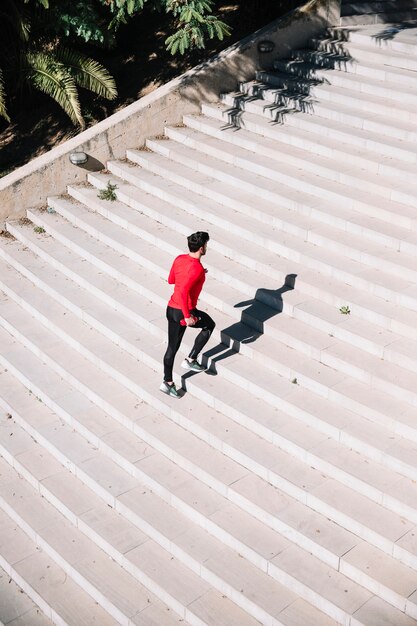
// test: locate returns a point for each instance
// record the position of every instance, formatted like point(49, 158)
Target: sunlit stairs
point(281, 488)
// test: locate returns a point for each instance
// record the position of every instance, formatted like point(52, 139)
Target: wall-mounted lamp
point(78, 158)
point(266, 46)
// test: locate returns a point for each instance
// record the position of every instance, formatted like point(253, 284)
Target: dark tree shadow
point(266, 304)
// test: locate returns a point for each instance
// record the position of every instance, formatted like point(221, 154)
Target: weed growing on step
point(39, 229)
point(108, 193)
point(344, 310)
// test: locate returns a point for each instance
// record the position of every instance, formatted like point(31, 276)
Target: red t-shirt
point(188, 275)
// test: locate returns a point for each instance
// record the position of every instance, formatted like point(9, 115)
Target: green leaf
point(49, 76)
point(88, 73)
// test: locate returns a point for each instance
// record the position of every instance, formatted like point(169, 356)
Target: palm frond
point(3, 110)
point(51, 77)
point(88, 73)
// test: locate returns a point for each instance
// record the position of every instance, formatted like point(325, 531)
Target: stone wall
point(49, 174)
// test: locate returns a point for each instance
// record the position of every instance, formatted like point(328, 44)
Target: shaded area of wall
point(50, 173)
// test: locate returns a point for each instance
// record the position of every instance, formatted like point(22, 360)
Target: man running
point(188, 275)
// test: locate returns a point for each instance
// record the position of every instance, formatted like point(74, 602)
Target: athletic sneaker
point(170, 390)
point(193, 366)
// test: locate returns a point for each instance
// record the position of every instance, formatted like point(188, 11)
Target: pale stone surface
point(15, 545)
point(117, 585)
point(67, 541)
point(300, 613)
point(347, 595)
point(64, 596)
point(174, 578)
point(107, 474)
point(376, 612)
point(32, 618)
point(151, 510)
point(259, 588)
point(113, 528)
point(319, 529)
point(325, 196)
point(154, 615)
point(385, 569)
point(377, 519)
point(256, 535)
point(68, 489)
point(16, 605)
point(216, 610)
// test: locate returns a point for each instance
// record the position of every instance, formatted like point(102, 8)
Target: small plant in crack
point(108, 193)
point(345, 310)
point(39, 229)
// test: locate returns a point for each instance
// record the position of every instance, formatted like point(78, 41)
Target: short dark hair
point(197, 240)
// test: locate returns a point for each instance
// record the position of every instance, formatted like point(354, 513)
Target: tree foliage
point(39, 41)
point(32, 56)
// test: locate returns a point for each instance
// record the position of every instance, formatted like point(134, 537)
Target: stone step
point(375, 140)
point(202, 553)
point(293, 364)
point(25, 557)
point(326, 261)
point(268, 150)
point(290, 95)
point(379, 18)
point(312, 380)
point(391, 378)
point(98, 470)
point(343, 113)
point(175, 557)
point(279, 197)
point(306, 139)
point(129, 304)
point(235, 166)
point(392, 76)
point(351, 54)
point(404, 95)
point(362, 53)
point(207, 478)
point(377, 405)
point(392, 36)
point(17, 607)
point(223, 406)
point(323, 287)
point(97, 319)
point(384, 344)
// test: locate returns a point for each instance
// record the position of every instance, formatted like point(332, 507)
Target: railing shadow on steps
point(50, 173)
point(295, 95)
point(267, 303)
point(389, 33)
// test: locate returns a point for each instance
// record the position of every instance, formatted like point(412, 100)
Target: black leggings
point(176, 333)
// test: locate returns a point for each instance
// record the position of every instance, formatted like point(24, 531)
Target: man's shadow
point(266, 304)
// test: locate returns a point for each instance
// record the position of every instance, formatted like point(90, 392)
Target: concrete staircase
point(394, 12)
point(282, 488)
